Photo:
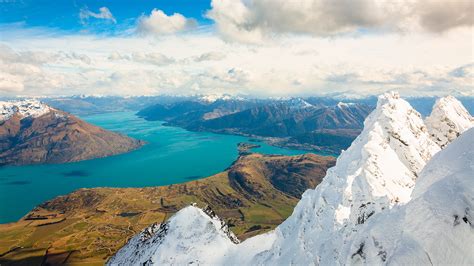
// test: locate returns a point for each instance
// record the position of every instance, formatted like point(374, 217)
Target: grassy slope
point(89, 225)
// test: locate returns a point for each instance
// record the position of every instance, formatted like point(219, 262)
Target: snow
point(379, 204)
point(25, 108)
point(298, 103)
point(378, 171)
point(344, 105)
point(448, 120)
point(199, 237)
point(211, 98)
point(437, 226)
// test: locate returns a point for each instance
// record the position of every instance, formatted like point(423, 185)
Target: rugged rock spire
point(378, 171)
point(448, 120)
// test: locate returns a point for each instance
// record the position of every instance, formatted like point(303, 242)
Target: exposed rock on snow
point(298, 103)
point(448, 120)
point(375, 173)
point(25, 108)
point(437, 225)
point(191, 236)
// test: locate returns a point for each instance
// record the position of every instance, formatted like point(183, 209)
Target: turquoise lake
point(172, 155)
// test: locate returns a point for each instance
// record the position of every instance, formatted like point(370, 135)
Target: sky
point(260, 48)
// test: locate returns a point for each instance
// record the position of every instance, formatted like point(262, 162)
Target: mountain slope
point(211, 241)
point(375, 173)
point(437, 225)
point(32, 132)
point(448, 120)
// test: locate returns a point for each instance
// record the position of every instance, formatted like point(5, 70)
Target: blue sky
point(64, 14)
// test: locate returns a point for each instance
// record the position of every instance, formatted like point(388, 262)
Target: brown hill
point(87, 226)
point(57, 137)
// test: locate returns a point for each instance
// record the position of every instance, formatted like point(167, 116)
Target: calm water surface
point(172, 155)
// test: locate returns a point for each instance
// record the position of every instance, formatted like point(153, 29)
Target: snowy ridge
point(448, 120)
point(375, 173)
point(437, 226)
point(198, 235)
point(344, 105)
point(298, 103)
point(25, 108)
point(367, 209)
point(211, 98)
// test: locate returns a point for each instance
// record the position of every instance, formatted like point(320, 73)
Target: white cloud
point(210, 56)
point(413, 63)
point(257, 20)
point(104, 13)
point(157, 59)
point(158, 23)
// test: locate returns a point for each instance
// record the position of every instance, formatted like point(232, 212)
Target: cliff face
point(47, 135)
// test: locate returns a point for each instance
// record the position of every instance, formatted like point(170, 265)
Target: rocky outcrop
point(448, 120)
point(47, 135)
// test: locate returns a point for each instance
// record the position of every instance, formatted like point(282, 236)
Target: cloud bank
point(256, 20)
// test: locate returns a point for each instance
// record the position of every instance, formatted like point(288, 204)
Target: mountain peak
point(387, 97)
point(25, 108)
point(375, 173)
point(198, 233)
point(448, 120)
point(298, 103)
point(436, 226)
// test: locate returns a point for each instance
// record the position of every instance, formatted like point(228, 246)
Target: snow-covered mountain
point(437, 226)
point(448, 120)
point(360, 212)
point(25, 108)
point(198, 234)
point(298, 103)
point(378, 171)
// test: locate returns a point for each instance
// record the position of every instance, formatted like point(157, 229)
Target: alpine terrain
point(386, 201)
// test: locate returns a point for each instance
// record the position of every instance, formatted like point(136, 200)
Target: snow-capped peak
point(344, 105)
point(377, 172)
point(437, 226)
point(25, 108)
point(298, 103)
point(211, 98)
point(191, 236)
point(448, 120)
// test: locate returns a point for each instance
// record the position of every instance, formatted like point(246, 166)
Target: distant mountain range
point(294, 122)
point(32, 132)
point(312, 123)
